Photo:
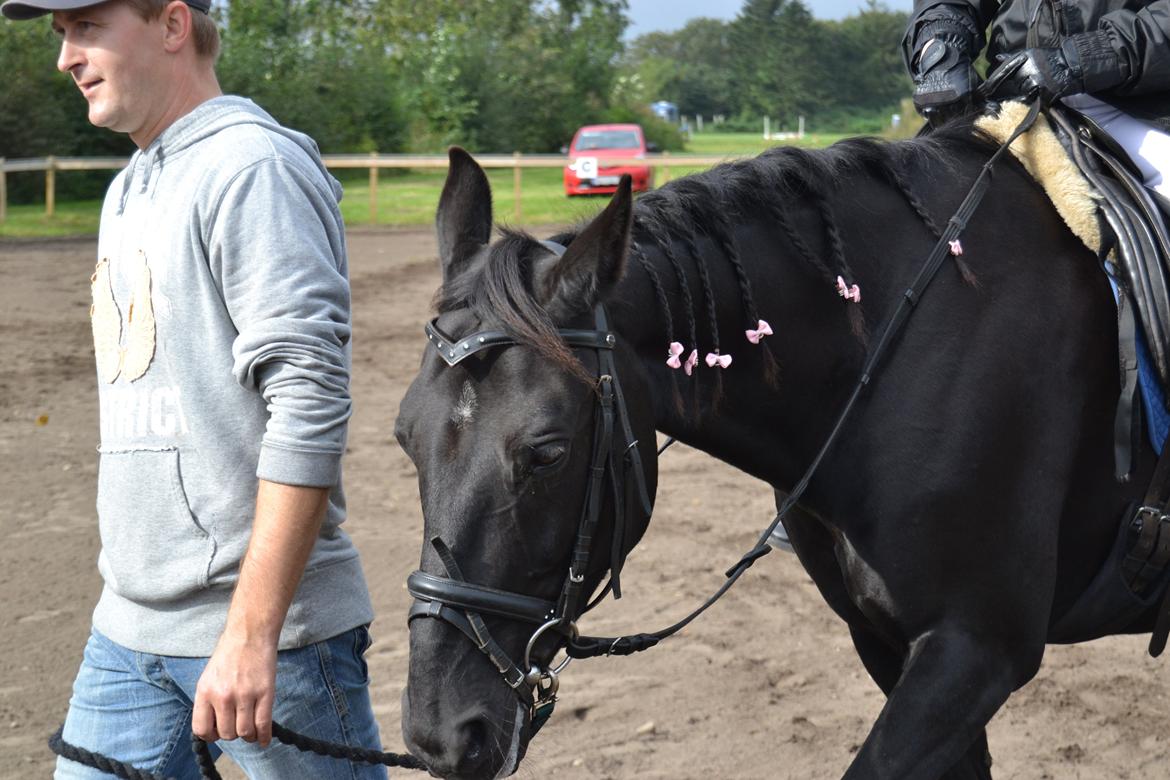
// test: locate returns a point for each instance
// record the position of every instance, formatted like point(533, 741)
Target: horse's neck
point(762, 420)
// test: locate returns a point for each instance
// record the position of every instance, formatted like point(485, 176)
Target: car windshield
point(607, 139)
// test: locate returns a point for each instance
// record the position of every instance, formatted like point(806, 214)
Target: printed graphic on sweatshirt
point(122, 349)
point(136, 412)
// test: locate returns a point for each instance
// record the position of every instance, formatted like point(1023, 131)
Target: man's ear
point(177, 24)
point(464, 218)
point(593, 262)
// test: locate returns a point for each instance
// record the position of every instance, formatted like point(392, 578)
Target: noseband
point(461, 603)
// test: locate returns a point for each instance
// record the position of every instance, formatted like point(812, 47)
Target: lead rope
point(589, 647)
point(206, 763)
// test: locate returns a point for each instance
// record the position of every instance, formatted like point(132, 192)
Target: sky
point(667, 15)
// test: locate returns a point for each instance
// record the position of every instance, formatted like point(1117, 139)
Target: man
point(1105, 58)
point(221, 332)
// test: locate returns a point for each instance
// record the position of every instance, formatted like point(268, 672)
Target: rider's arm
point(939, 49)
point(962, 20)
point(1140, 42)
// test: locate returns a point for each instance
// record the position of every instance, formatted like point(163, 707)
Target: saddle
point(1108, 207)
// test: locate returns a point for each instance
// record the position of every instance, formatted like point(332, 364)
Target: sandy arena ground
point(766, 685)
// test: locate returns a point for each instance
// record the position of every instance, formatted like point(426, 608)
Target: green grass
point(79, 217)
point(410, 197)
point(737, 144)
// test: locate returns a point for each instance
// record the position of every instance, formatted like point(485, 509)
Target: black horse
point(965, 509)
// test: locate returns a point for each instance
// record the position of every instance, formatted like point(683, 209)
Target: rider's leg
point(1146, 145)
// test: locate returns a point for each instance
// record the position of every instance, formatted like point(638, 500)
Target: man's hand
point(235, 693)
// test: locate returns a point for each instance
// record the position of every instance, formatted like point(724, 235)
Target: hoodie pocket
point(153, 549)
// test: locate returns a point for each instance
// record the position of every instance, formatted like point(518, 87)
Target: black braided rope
point(206, 763)
point(203, 758)
point(108, 765)
point(354, 754)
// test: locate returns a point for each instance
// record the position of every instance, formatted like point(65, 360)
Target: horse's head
point(533, 437)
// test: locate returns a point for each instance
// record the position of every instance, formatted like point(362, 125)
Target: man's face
point(116, 59)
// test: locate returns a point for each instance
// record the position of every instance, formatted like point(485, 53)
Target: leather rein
point(459, 602)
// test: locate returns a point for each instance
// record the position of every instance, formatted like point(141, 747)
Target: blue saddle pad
point(1153, 398)
point(1157, 418)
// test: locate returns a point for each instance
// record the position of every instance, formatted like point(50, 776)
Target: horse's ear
point(592, 264)
point(464, 218)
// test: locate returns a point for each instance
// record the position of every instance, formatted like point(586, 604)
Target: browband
point(455, 350)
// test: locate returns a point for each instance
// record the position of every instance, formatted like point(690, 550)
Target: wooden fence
point(374, 162)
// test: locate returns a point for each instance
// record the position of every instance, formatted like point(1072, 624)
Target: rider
point(1106, 59)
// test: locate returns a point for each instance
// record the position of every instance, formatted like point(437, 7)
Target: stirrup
point(779, 538)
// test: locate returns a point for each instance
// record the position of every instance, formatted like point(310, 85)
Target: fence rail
point(374, 162)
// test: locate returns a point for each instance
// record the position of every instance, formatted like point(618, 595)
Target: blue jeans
point(136, 708)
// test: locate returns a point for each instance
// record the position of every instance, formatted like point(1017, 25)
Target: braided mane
point(706, 205)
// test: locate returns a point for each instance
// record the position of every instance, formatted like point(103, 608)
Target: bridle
point(461, 603)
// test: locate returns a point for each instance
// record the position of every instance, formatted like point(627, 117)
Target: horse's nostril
point(474, 742)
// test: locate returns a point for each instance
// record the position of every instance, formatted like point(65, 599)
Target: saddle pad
point(1153, 399)
point(1043, 156)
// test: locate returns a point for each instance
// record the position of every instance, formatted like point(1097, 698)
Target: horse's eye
point(545, 456)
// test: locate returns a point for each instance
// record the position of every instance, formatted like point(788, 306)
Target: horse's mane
point(678, 214)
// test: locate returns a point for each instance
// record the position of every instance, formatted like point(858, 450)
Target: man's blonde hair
point(203, 29)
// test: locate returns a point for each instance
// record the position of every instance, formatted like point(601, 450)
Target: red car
point(592, 143)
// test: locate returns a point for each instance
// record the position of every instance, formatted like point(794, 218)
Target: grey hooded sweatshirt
point(221, 332)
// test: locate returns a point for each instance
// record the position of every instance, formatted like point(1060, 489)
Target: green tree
point(690, 67)
point(867, 48)
point(505, 75)
point(308, 63)
point(778, 66)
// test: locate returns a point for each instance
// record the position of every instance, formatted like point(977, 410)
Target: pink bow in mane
point(715, 359)
point(956, 248)
point(672, 356)
point(848, 292)
point(762, 329)
point(692, 361)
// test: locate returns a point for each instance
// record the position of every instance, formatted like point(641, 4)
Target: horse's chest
point(867, 588)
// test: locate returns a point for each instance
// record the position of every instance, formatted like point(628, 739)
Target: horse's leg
point(941, 733)
point(883, 658)
point(884, 665)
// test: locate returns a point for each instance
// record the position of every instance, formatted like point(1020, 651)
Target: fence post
point(516, 185)
point(665, 166)
point(373, 190)
point(3, 193)
point(51, 187)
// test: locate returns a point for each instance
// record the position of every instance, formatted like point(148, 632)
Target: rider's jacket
point(1138, 31)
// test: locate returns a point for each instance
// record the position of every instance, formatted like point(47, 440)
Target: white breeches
point(1147, 146)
